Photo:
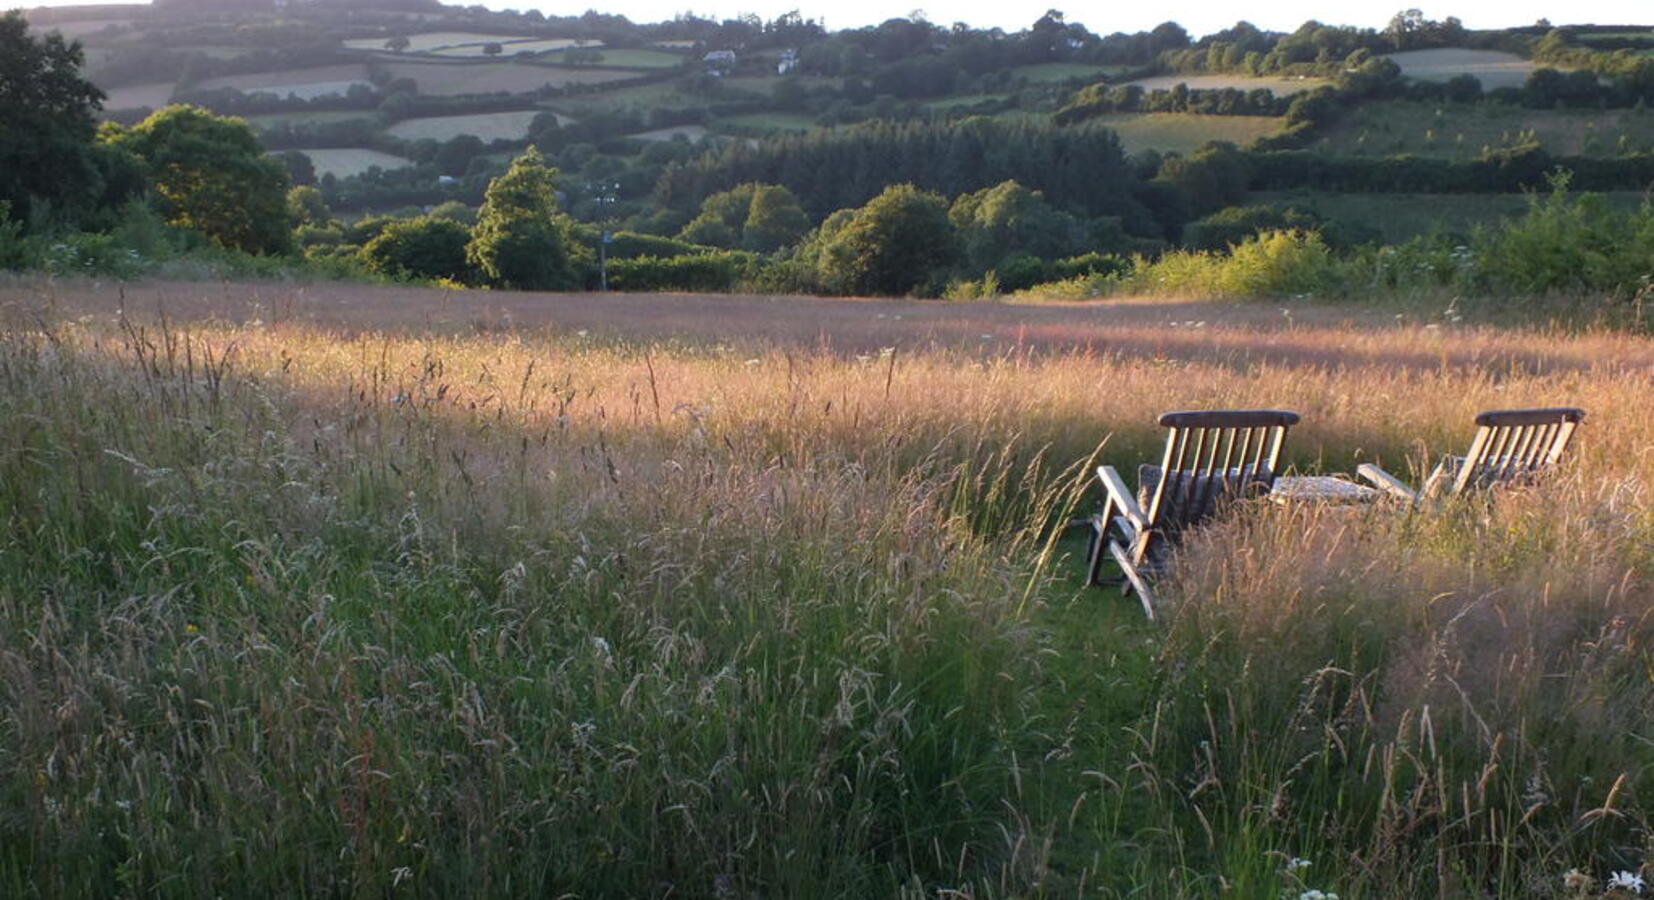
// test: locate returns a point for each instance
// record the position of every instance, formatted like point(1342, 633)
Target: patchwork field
point(317, 81)
point(770, 122)
point(1040, 73)
point(344, 161)
point(488, 126)
point(1493, 68)
point(352, 578)
point(320, 116)
point(453, 79)
point(1464, 131)
point(1182, 133)
point(1280, 86)
point(138, 96)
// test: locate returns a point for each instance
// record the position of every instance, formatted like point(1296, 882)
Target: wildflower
point(191, 628)
point(754, 362)
point(1313, 894)
point(1626, 881)
point(601, 644)
point(581, 333)
point(1296, 864)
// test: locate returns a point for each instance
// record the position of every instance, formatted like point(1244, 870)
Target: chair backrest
point(1514, 444)
point(1212, 456)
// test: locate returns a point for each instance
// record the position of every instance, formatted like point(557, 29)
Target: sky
point(1198, 16)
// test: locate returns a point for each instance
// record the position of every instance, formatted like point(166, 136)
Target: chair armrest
point(1122, 498)
point(1386, 482)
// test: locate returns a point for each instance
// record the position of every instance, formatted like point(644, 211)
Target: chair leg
point(1099, 539)
point(1134, 579)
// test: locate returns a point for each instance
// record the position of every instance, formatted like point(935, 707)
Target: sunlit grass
point(291, 609)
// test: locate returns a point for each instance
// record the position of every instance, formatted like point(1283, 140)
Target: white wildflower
point(1626, 881)
point(1295, 864)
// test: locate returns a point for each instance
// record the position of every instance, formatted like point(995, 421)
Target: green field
point(453, 79)
point(1181, 133)
point(769, 122)
point(963, 100)
point(320, 116)
point(487, 126)
point(342, 162)
point(1043, 73)
point(1465, 131)
point(1281, 86)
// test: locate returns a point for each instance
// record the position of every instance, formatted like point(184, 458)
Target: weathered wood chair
point(1511, 446)
point(1211, 458)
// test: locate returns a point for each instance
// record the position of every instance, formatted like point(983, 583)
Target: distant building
point(789, 61)
point(719, 61)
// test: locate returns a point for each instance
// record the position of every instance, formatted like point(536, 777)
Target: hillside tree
point(521, 241)
point(893, 245)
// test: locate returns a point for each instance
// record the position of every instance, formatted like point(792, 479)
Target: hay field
point(364, 590)
point(453, 79)
point(692, 133)
point(1494, 68)
point(435, 40)
point(1183, 133)
point(488, 126)
point(509, 48)
point(1281, 86)
point(316, 81)
point(342, 162)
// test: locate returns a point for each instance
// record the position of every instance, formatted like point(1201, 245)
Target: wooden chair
point(1511, 446)
point(1211, 457)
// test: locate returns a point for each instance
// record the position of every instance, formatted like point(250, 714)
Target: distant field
point(657, 94)
point(964, 100)
point(1281, 86)
point(1493, 68)
point(1049, 72)
point(1458, 131)
point(1182, 133)
point(138, 96)
point(452, 79)
point(509, 48)
point(316, 81)
point(434, 40)
point(771, 122)
point(629, 58)
point(83, 28)
point(1400, 217)
point(692, 132)
point(320, 116)
point(488, 126)
point(341, 162)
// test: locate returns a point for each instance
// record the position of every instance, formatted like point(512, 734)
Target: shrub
point(716, 271)
point(426, 247)
point(1271, 264)
point(1566, 244)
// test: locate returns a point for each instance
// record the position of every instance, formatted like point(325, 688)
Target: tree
point(521, 241)
point(46, 123)
point(455, 155)
point(492, 49)
point(774, 220)
point(305, 206)
point(1008, 220)
point(212, 176)
point(397, 44)
point(423, 247)
point(892, 245)
point(300, 170)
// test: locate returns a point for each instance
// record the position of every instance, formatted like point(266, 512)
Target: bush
point(1272, 264)
point(716, 271)
point(1565, 245)
point(426, 247)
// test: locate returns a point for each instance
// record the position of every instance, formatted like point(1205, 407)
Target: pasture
point(453, 79)
point(691, 133)
point(1494, 68)
point(366, 589)
point(307, 83)
point(1183, 133)
point(1280, 86)
point(345, 161)
point(1464, 131)
point(509, 48)
point(626, 58)
point(487, 126)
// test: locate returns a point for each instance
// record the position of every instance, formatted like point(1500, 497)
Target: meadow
point(1185, 132)
point(354, 590)
point(454, 79)
point(1493, 68)
point(487, 126)
point(346, 161)
point(1466, 131)
point(1284, 87)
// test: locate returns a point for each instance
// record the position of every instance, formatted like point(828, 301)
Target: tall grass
point(284, 610)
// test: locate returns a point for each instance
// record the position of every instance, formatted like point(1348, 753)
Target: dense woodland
point(997, 154)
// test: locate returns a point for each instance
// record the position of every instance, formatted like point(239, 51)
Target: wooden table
point(1321, 489)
